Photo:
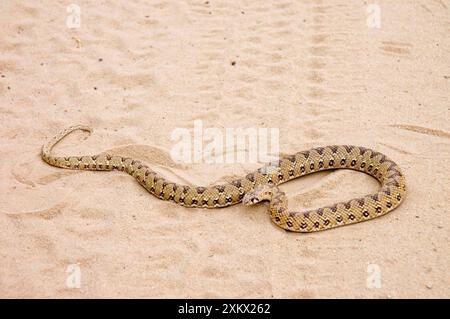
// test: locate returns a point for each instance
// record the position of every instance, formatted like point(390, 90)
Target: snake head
point(258, 194)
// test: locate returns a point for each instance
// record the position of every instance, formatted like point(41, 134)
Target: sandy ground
point(137, 70)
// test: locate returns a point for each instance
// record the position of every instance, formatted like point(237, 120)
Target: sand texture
point(137, 70)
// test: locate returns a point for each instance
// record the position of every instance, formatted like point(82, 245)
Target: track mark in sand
point(236, 46)
point(317, 50)
point(211, 35)
point(315, 77)
point(395, 48)
point(21, 179)
point(422, 130)
point(426, 8)
point(47, 214)
point(320, 49)
point(47, 179)
point(319, 38)
point(306, 199)
point(435, 7)
point(90, 213)
point(442, 4)
point(397, 149)
point(316, 64)
point(277, 44)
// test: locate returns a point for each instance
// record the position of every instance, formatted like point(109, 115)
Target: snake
point(262, 184)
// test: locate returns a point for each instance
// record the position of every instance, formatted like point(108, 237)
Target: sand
point(137, 70)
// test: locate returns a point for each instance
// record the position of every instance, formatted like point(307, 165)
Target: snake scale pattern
point(261, 185)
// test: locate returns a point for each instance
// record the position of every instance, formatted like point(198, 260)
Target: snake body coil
point(262, 184)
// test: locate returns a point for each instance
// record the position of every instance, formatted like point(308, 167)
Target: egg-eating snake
point(261, 185)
